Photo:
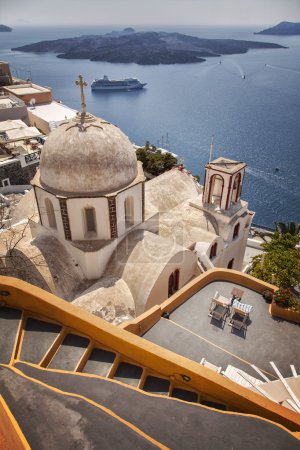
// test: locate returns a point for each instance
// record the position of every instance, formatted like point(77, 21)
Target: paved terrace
point(190, 332)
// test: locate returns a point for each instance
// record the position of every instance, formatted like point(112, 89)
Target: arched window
point(213, 250)
point(236, 188)
point(236, 231)
point(176, 279)
point(216, 190)
point(90, 221)
point(171, 285)
point(230, 264)
point(129, 211)
point(50, 214)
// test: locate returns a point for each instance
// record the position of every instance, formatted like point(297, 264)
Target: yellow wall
point(145, 321)
point(28, 297)
point(13, 438)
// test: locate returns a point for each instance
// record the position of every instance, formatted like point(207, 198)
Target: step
point(99, 362)
point(185, 395)
point(177, 425)
point(51, 420)
point(9, 323)
point(156, 385)
point(214, 405)
point(38, 338)
point(69, 353)
point(128, 373)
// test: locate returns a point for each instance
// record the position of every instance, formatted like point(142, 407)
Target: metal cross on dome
point(82, 83)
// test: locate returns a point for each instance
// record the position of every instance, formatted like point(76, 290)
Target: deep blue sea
point(256, 119)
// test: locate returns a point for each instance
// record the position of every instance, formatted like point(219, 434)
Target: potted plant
point(284, 298)
point(267, 295)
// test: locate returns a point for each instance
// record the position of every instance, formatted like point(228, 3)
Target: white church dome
point(89, 156)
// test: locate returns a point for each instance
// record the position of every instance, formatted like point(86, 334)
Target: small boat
point(126, 84)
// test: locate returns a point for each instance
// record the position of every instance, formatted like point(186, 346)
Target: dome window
point(90, 221)
point(129, 211)
point(50, 214)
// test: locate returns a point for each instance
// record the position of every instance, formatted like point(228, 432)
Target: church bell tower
point(223, 183)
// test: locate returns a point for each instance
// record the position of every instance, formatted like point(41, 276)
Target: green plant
point(154, 161)
point(291, 228)
point(280, 264)
point(284, 298)
point(267, 295)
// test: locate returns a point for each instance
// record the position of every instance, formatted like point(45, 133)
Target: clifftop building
point(117, 233)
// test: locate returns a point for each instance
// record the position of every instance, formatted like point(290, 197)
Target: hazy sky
point(148, 12)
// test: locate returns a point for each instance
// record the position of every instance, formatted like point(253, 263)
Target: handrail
point(10, 430)
point(22, 295)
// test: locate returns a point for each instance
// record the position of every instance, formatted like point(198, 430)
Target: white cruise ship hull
point(117, 88)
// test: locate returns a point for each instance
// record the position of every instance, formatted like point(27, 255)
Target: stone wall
point(14, 113)
point(17, 174)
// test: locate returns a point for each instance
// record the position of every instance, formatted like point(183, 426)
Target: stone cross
point(81, 83)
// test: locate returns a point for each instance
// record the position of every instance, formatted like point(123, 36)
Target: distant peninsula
point(4, 28)
point(283, 29)
point(145, 48)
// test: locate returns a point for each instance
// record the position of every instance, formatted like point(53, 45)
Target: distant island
point(129, 46)
point(4, 28)
point(283, 29)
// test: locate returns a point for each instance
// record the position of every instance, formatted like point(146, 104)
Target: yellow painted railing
point(11, 436)
point(22, 295)
point(145, 321)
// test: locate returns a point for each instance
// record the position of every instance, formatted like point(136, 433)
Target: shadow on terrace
point(190, 332)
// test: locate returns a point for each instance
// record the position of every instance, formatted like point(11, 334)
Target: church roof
point(43, 261)
point(109, 298)
point(87, 155)
point(139, 260)
point(168, 190)
point(170, 195)
point(226, 165)
point(187, 225)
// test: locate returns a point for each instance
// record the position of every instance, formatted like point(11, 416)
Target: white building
point(47, 116)
point(130, 242)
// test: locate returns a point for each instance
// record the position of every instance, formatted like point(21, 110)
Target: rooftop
point(226, 165)
point(9, 101)
point(53, 111)
point(190, 332)
point(25, 89)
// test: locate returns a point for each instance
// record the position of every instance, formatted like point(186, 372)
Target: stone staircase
point(49, 345)
point(66, 390)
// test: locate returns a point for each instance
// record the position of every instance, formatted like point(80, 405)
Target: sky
point(148, 12)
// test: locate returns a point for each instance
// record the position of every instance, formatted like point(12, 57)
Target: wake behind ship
point(126, 84)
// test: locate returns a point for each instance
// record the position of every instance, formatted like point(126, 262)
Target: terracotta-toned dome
point(87, 155)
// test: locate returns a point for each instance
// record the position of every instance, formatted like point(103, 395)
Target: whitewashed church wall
point(76, 217)
point(218, 259)
point(41, 197)
point(186, 262)
point(38, 122)
point(92, 264)
point(236, 250)
point(136, 193)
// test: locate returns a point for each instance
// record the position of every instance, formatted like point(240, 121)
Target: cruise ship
point(126, 84)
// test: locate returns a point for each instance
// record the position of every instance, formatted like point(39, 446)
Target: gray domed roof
point(87, 155)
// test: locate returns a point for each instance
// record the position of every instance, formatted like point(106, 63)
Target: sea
point(250, 103)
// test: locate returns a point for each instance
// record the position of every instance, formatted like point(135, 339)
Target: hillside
point(5, 28)
point(143, 48)
point(283, 29)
